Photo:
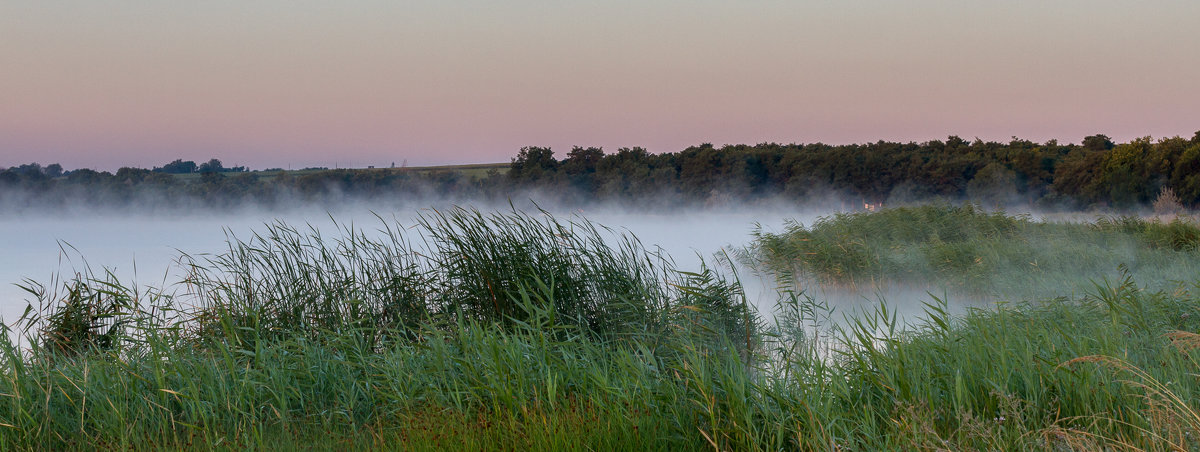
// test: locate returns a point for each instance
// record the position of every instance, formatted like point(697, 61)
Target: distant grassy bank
point(970, 251)
point(511, 331)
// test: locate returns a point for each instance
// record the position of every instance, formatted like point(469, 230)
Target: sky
point(355, 83)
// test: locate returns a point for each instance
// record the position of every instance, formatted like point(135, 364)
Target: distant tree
point(533, 164)
point(994, 184)
point(53, 170)
point(1125, 176)
point(1077, 175)
point(626, 174)
point(85, 176)
point(179, 166)
point(700, 168)
point(1034, 170)
point(1098, 143)
point(211, 166)
point(131, 176)
point(1185, 178)
point(582, 160)
point(580, 168)
point(29, 170)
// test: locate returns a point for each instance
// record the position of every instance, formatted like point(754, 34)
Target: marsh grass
point(453, 266)
point(975, 253)
point(292, 340)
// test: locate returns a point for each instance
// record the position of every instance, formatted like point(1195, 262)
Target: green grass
point(510, 331)
point(471, 171)
point(968, 251)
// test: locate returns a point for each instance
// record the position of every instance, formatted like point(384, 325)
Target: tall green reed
point(454, 265)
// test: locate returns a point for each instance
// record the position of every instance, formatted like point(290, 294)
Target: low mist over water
point(144, 248)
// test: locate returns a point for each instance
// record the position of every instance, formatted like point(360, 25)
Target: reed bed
point(969, 252)
point(511, 331)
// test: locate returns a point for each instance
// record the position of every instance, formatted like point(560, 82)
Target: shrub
point(1167, 203)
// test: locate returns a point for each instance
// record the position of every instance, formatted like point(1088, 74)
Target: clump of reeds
point(1177, 234)
point(973, 252)
point(849, 247)
point(85, 312)
point(455, 265)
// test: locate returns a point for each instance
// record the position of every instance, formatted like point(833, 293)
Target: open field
point(474, 170)
point(519, 331)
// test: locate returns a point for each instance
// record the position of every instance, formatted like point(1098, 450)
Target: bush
point(1167, 203)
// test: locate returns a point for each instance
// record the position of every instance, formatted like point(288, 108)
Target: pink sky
point(274, 83)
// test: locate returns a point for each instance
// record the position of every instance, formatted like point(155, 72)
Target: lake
point(143, 248)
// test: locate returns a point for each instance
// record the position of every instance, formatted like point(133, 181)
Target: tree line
point(1097, 173)
point(181, 166)
point(33, 187)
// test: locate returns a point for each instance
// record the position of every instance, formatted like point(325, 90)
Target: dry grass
point(1171, 422)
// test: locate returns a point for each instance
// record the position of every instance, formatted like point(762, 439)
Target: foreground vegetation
point(513, 331)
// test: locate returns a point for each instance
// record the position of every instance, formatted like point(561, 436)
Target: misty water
point(142, 249)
